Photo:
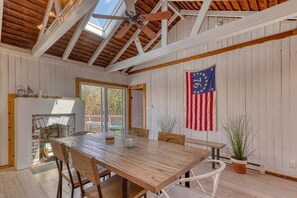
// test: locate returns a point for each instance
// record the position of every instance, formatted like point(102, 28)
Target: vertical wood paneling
point(259, 81)
point(12, 73)
point(4, 106)
point(49, 75)
point(285, 98)
point(293, 99)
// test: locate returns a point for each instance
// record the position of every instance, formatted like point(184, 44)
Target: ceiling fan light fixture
point(40, 26)
point(52, 14)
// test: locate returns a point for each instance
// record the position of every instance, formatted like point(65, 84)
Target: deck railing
point(93, 122)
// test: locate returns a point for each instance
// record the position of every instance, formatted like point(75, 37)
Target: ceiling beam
point(164, 24)
point(237, 14)
point(156, 8)
point(72, 13)
point(138, 45)
point(201, 17)
point(227, 14)
point(105, 42)
point(266, 17)
point(45, 19)
point(176, 10)
point(201, 0)
point(58, 7)
point(159, 33)
point(1, 17)
point(80, 27)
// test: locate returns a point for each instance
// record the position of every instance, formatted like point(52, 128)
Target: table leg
point(125, 188)
point(218, 154)
point(213, 157)
point(187, 175)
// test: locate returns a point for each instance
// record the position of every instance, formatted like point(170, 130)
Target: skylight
point(105, 7)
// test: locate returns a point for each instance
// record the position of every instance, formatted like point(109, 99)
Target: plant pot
point(239, 165)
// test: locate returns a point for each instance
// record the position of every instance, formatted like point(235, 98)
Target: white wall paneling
point(52, 76)
point(259, 81)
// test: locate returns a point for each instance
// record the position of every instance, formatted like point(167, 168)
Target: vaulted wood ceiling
point(21, 18)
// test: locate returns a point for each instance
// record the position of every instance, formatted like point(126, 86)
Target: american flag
point(201, 100)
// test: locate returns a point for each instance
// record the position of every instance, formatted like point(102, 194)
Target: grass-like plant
point(239, 136)
point(167, 123)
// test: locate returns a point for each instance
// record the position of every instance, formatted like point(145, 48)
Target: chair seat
point(102, 173)
point(112, 188)
point(177, 191)
point(65, 174)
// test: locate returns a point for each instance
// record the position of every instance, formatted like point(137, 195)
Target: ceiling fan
point(134, 17)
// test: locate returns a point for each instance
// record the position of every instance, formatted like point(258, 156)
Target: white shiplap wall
point(259, 81)
point(52, 76)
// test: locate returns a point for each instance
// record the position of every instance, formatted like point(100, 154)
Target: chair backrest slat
point(172, 138)
point(59, 150)
point(141, 132)
point(85, 165)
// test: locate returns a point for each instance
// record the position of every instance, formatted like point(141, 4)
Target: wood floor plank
point(23, 184)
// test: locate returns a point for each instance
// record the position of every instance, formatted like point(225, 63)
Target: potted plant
point(167, 123)
point(239, 136)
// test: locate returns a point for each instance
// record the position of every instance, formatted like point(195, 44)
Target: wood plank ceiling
point(21, 18)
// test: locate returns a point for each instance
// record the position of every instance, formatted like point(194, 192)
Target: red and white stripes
point(200, 108)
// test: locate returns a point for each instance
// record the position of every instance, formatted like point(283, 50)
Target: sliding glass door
point(105, 107)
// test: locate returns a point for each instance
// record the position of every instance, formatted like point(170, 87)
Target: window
point(102, 27)
point(105, 107)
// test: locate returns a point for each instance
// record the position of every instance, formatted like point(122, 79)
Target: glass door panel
point(116, 109)
point(94, 115)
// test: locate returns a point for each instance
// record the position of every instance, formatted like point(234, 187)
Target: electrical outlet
point(292, 164)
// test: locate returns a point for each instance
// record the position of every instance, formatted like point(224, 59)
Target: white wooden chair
point(177, 191)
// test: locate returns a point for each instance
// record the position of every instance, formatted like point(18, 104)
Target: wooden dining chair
point(61, 156)
point(177, 191)
point(141, 132)
point(172, 138)
point(110, 188)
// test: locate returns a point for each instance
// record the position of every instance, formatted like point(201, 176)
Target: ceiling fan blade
point(150, 33)
point(102, 16)
point(157, 16)
point(130, 7)
point(124, 30)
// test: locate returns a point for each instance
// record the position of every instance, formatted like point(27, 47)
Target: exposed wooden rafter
point(176, 10)
point(81, 26)
point(138, 45)
point(71, 13)
point(58, 7)
point(237, 14)
point(156, 8)
point(227, 14)
point(201, 17)
point(159, 33)
point(269, 16)
point(45, 18)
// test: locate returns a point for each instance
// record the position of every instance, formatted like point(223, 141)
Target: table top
point(206, 143)
point(151, 164)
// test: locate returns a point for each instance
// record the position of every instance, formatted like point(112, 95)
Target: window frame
point(82, 81)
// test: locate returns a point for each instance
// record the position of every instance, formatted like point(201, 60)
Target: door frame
point(136, 87)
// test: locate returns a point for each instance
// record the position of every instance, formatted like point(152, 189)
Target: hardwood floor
point(23, 184)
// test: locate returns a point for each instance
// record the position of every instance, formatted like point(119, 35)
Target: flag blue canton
point(204, 81)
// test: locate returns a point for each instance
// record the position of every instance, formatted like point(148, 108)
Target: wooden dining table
point(151, 164)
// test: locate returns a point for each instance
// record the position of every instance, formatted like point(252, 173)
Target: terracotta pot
point(239, 165)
